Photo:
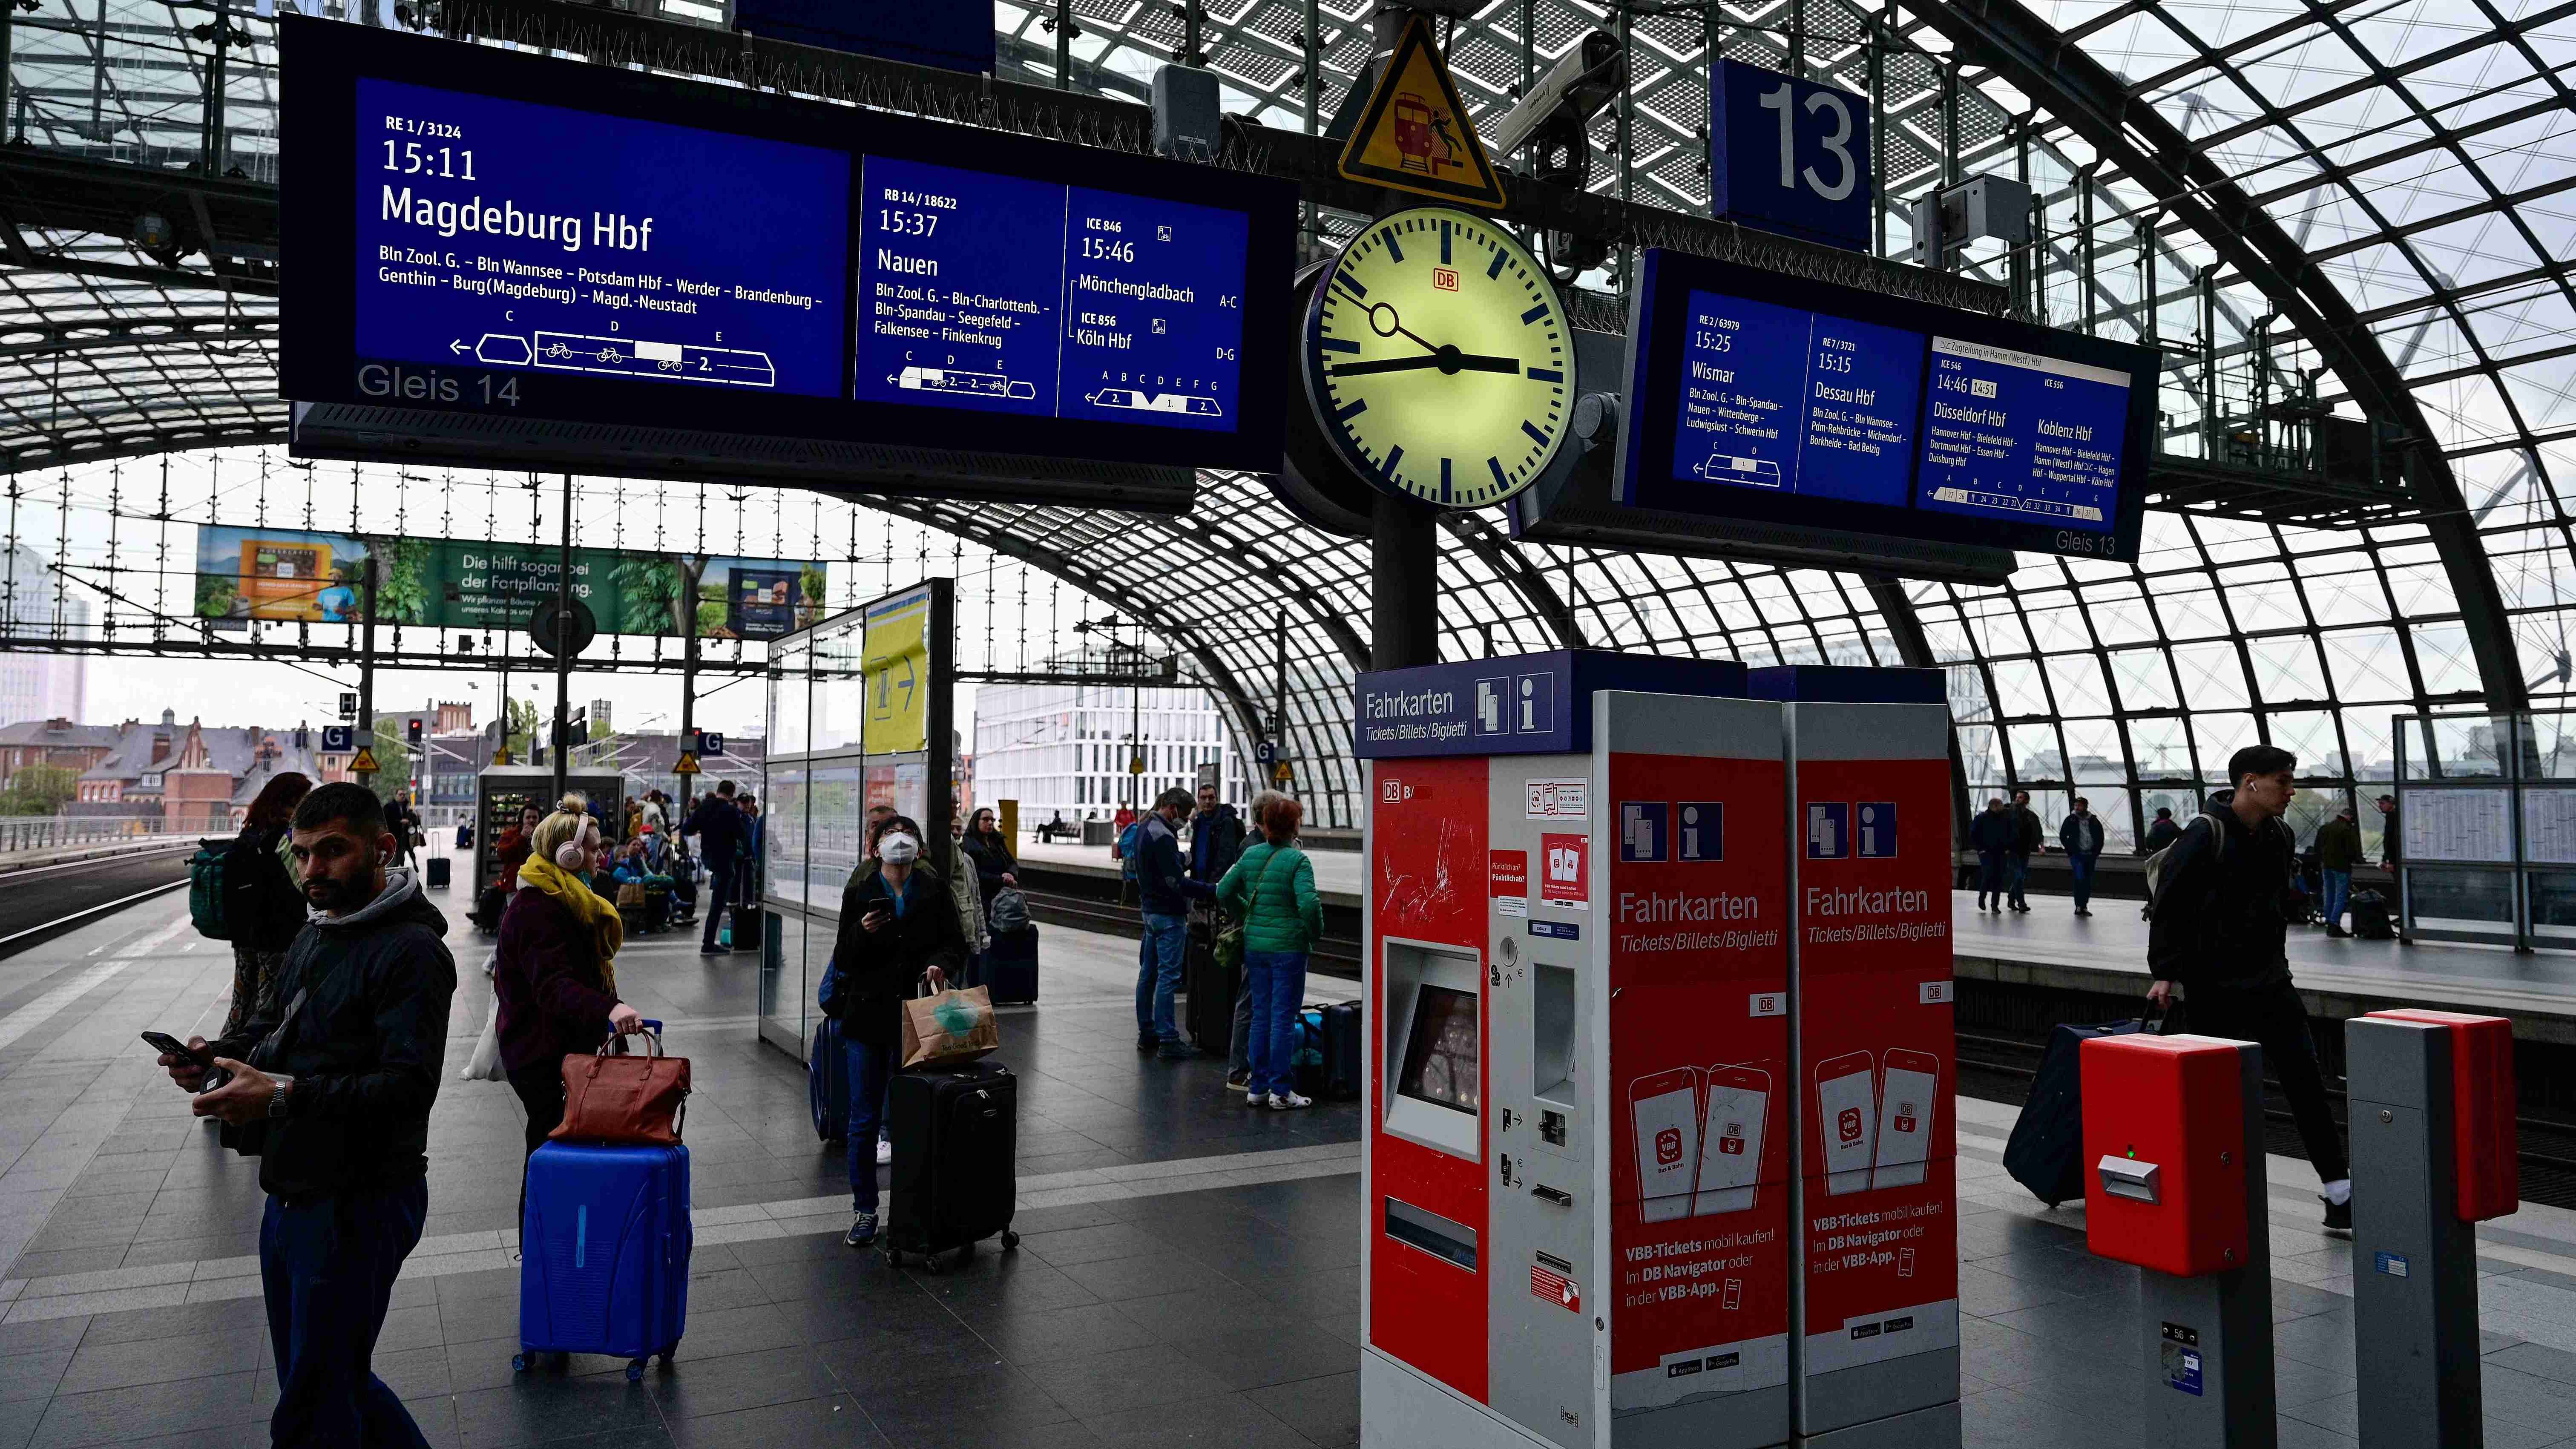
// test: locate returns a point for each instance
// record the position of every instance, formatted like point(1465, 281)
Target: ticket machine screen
point(1440, 1058)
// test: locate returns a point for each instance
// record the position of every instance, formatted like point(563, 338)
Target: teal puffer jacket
point(1276, 902)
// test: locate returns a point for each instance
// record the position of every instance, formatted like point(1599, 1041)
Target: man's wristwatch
point(277, 1095)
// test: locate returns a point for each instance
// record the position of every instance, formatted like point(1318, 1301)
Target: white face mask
point(899, 849)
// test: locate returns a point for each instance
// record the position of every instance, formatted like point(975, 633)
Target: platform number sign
point(1789, 155)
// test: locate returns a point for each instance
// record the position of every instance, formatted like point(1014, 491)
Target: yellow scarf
point(607, 931)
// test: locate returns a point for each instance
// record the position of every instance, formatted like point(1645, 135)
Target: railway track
point(1330, 957)
point(42, 902)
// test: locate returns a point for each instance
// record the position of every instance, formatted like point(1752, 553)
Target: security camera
point(1572, 92)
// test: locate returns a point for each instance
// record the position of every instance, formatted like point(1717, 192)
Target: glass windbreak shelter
point(817, 798)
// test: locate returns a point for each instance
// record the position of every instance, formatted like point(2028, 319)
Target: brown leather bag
point(624, 1101)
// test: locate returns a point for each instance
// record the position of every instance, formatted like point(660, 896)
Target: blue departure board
point(1003, 294)
point(1754, 396)
point(1792, 401)
point(768, 286)
point(530, 237)
point(2021, 435)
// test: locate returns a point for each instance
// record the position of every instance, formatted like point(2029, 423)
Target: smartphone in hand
point(168, 1045)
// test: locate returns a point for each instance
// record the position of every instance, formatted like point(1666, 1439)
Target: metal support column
point(1404, 585)
point(563, 648)
point(689, 570)
point(2084, 253)
point(2414, 1262)
point(367, 659)
point(2208, 1341)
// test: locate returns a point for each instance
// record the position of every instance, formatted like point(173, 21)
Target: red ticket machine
point(1576, 1174)
point(1876, 1338)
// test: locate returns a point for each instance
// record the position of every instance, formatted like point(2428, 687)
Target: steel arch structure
point(2358, 196)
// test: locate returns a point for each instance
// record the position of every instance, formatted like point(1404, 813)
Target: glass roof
point(2416, 155)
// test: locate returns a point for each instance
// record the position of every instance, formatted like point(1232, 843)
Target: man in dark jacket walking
point(1992, 835)
point(1164, 895)
point(2080, 836)
point(2338, 851)
point(2028, 832)
point(718, 824)
point(335, 1076)
point(2161, 832)
point(2217, 945)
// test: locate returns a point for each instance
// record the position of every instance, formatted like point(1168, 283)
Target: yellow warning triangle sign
point(365, 763)
point(1415, 135)
point(688, 764)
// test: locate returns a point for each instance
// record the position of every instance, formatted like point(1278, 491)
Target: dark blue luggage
point(2046, 1150)
point(955, 1177)
point(1011, 966)
point(604, 1253)
point(1343, 1068)
point(440, 869)
point(827, 1083)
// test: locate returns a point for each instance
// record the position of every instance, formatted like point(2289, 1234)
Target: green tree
point(521, 724)
point(393, 757)
point(39, 790)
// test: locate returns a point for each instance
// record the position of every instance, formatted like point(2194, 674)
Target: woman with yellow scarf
point(555, 968)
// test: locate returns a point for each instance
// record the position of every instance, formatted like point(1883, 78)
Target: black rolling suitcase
point(954, 1182)
point(1011, 966)
point(439, 866)
point(1211, 988)
point(2370, 919)
point(1342, 1066)
point(2046, 1150)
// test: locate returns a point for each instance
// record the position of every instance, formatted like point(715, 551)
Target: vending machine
point(1579, 1101)
point(1875, 1198)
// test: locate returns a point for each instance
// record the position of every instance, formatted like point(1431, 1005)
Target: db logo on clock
point(1668, 1146)
point(1847, 1124)
point(1444, 279)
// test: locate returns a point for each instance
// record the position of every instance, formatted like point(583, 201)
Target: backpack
point(1009, 912)
point(1127, 848)
point(2155, 864)
point(207, 898)
point(261, 902)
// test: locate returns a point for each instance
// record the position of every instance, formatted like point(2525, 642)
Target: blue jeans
point(327, 1266)
point(2017, 866)
point(2081, 868)
point(1276, 983)
point(720, 873)
point(869, 1068)
point(1158, 975)
point(1990, 875)
point(2338, 895)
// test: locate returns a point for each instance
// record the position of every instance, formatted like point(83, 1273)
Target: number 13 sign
point(1789, 156)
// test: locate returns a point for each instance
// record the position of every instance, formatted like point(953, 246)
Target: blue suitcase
point(1011, 966)
point(604, 1253)
point(827, 1083)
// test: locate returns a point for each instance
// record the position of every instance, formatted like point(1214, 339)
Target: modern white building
point(35, 604)
point(1064, 748)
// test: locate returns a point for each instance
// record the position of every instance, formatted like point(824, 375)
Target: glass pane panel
point(2453, 900)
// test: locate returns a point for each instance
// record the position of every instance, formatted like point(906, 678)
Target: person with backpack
point(2080, 836)
point(2161, 832)
point(1991, 835)
point(2216, 945)
point(263, 907)
point(1270, 892)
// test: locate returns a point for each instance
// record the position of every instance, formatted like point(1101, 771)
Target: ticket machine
point(1587, 1106)
point(1576, 1173)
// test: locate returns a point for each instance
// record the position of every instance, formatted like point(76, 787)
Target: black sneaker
point(1148, 1043)
point(2337, 933)
point(863, 1231)
point(2338, 1216)
point(1175, 1051)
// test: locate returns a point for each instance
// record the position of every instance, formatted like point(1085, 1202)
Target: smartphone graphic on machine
point(1665, 1110)
point(1846, 1119)
point(1905, 1107)
point(1730, 1154)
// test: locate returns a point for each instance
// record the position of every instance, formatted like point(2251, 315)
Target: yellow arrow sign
point(365, 763)
point(688, 764)
point(1415, 135)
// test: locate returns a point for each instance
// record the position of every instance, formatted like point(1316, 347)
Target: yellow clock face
point(1439, 359)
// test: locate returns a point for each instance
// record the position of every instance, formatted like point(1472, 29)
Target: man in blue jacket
point(2081, 837)
point(718, 824)
point(1164, 893)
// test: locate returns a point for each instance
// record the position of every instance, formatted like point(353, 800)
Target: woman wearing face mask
point(555, 968)
point(898, 925)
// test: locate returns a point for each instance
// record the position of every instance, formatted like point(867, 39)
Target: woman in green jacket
point(1271, 890)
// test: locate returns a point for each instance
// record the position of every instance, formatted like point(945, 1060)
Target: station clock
point(1438, 359)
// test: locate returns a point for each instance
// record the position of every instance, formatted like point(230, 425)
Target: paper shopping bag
point(949, 1027)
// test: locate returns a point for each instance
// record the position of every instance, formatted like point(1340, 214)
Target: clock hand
point(1447, 359)
point(1393, 326)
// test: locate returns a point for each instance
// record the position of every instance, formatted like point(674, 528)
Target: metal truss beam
point(2187, 180)
point(349, 656)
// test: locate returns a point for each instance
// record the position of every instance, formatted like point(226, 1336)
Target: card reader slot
point(1550, 1260)
point(1431, 1233)
point(1556, 1195)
